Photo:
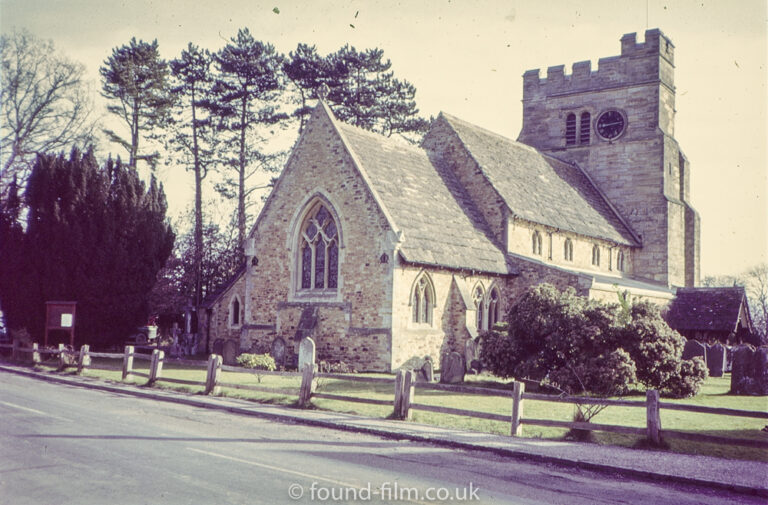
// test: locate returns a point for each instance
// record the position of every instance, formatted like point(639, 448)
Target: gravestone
point(277, 351)
point(716, 359)
point(306, 352)
point(761, 370)
point(427, 371)
point(728, 358)
point(452, 368)
point(229, 352)
point(471, 349)
point(694, 348)
point(742, 381)
point(218, 346)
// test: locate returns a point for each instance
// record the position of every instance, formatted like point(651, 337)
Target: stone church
point(382, 251)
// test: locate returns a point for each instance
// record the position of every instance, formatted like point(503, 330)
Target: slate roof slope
point(540, 188)
point(716, 309)
point(440, 224)
point(214, 296)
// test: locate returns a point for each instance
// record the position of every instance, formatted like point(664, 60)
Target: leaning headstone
point(427, 371)
point(470, 352)
point(694, 348)
point(278, 351)
point(306, 352)
point(452, 368)
point(716, 359)
point(229, 352)
point(741, 372)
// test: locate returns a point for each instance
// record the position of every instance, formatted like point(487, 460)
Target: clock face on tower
point(611, 124)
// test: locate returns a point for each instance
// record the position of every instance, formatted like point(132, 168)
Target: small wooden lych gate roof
point(710, 309)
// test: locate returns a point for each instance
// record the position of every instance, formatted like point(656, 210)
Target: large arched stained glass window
point(319, 250)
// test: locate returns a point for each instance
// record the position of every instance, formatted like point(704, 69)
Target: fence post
point(156, 366)
point(128, 363)
point(84, 360)
point(653, 416)
point(409, 387)
point(213, 375)
point(35, 352)
point(518, 388)
point(398, 404)
point(62, 357)
point(15, 349)
point(307, 384)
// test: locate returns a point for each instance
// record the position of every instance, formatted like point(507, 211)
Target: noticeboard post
point(60, 316)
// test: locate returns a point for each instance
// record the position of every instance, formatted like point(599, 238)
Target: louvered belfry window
point(586, 121)
point(570, 130)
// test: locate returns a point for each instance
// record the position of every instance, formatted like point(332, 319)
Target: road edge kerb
point(178, 397)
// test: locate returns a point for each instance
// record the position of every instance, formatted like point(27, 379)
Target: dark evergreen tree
point(93, 235)
point(13, 261)
point(136, 78)
point(248, 91)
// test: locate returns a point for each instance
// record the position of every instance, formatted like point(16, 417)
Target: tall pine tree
point(135, 80)
point(247, 91)
point(363, 90)
point(193, 137)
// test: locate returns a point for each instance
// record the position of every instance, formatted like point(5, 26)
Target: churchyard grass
point(714, 394)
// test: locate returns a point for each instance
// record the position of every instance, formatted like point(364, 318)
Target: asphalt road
point(68, 445)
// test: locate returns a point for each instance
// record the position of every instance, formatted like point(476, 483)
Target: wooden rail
point(405, 387)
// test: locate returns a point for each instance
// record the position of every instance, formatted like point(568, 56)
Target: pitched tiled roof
point(715, 309)
point(214, 296)
point(540, 188)
point(440, 224)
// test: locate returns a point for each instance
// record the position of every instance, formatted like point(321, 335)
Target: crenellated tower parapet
point(613, 71)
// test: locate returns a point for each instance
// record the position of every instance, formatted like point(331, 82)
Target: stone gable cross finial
point(323, 91)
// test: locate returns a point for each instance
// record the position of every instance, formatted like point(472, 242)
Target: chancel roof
point(440, 224)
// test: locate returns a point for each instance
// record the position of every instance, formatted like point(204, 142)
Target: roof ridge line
point(358, 164)
point(610, 204)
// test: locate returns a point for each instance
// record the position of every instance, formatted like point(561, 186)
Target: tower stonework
point(617, 123)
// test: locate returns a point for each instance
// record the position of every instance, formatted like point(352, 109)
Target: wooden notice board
point(60, 316)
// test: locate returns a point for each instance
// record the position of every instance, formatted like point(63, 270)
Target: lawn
point(713, 394)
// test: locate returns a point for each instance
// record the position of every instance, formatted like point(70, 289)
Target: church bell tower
point(618, 124)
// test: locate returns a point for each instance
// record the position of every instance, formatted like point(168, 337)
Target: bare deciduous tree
point(45, 104)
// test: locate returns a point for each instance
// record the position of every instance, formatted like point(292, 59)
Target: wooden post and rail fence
point(405, 389)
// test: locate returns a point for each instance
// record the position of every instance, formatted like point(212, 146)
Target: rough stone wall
point(453, 312)
point(532, 273)
point(520, 237)
point(354, 322)
point(640, 171)
point(219, 326)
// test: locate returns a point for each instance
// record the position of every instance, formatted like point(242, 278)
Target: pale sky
point(467, 58)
